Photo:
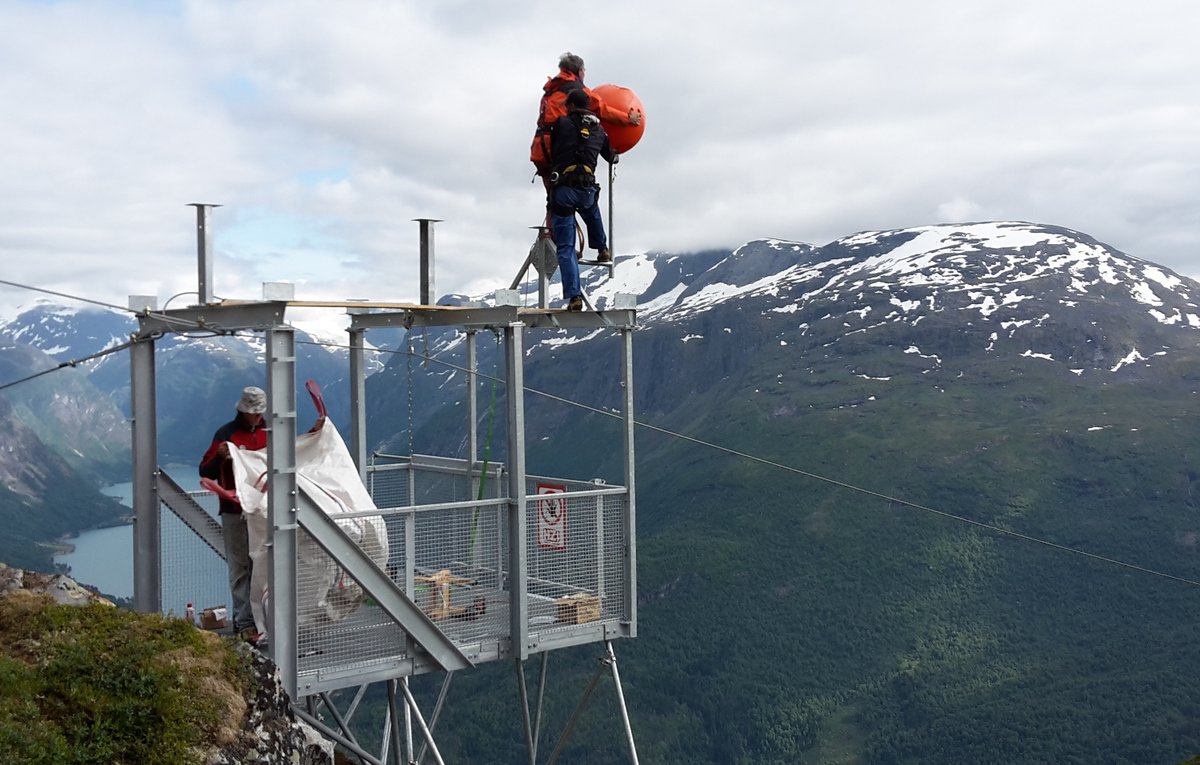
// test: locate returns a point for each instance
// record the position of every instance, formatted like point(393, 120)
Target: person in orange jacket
point(554, 105)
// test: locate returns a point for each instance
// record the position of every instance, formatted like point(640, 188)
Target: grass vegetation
point(97, 684)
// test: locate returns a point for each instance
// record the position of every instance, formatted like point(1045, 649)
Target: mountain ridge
point(1012, 375)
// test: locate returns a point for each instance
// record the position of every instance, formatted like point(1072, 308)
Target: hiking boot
point(250, 635)
point(605, 256)
point(575, 304)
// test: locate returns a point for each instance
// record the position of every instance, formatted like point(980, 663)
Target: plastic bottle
point(190, 614)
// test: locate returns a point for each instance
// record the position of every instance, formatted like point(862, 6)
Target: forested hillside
point(1042, 389)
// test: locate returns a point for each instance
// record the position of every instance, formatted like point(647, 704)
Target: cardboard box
point(578, 608)
point(215, 618)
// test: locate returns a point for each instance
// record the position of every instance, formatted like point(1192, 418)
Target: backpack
point(552, 106)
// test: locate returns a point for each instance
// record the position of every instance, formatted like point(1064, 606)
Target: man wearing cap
point(245, 431)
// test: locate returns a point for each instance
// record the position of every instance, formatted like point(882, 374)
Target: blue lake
point(103, 558)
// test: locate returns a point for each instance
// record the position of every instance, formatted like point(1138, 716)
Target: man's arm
point(610, 113)
point(210, 463)
point(218, 452)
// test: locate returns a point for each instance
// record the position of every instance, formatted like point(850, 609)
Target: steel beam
point(218, 318)
point(555, 319)
point(189, 511)
point(441, 316)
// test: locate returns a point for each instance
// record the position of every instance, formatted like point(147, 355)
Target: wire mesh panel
point(575, 548)
point(192, 572)
point(339, 626)
point(448, 551)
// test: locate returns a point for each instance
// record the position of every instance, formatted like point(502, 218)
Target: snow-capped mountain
point(939, 303)
point(199, 375)
point(872, 306)
point(1041, 292)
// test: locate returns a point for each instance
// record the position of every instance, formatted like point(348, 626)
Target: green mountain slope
point(788, 619)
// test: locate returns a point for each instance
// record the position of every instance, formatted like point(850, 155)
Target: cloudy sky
point(324, 128)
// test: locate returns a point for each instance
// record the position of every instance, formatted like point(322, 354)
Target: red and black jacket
point(241, 434)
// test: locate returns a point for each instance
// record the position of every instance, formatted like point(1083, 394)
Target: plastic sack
point(327, 475)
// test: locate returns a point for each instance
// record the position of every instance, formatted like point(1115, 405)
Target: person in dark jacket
point(553, 105)
point(245, 431)
point(577, 142)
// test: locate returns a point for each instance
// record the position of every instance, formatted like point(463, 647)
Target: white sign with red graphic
point(552, 517)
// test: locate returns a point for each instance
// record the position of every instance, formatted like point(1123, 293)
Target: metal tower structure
point(472, 575)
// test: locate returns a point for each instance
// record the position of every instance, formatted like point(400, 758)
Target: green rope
point(487, 453)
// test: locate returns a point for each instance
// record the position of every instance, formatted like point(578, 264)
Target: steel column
point(472, 403)
point(427, 288)
point(204, 253)
point(147, 561)
point(281, 500)
point(358, 400)
point(630, 519)
point(518, 575)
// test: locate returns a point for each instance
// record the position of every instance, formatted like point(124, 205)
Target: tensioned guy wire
point(844, 485)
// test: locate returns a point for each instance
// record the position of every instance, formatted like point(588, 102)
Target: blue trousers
point(565, 201)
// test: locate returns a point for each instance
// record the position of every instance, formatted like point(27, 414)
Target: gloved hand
point(635, 117)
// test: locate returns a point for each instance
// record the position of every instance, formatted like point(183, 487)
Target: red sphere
point(621, 137)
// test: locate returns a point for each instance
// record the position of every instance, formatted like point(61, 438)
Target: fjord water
point(103, 558)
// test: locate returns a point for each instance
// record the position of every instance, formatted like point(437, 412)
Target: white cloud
point(324, 128)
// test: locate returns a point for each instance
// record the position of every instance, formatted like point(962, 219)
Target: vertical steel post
point(394, 717)
point(427, 288)
point(409, 708)
point(147, 563)
point(358, 401)
point(204, 252)
point(612, 662)
point(281, 501)
point(541, 699)
point(630, 520)
point(526, 722)
point(611, 225)
point(428, 734)
point(472, 403)
point(518, 576)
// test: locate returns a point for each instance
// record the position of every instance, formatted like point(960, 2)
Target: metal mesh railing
point(575, 543)
point(192, 572)
point(449, 552)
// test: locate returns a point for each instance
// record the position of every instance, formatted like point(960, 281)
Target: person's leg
point(562, 222)
point(594, 220)
point(237, 558)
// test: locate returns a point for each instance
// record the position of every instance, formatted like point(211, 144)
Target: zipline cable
point(65, 295)
point(842, 484)
point(65, 364)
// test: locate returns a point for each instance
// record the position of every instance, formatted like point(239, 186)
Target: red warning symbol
point(552, 517)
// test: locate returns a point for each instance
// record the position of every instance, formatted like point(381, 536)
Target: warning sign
point(552, 517)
